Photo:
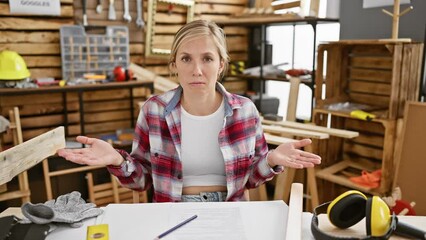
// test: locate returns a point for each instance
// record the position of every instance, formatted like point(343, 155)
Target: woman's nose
point(196, 71)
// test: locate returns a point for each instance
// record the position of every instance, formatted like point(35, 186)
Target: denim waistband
point(205, 197)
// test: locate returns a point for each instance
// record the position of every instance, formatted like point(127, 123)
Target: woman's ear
point(221, 67)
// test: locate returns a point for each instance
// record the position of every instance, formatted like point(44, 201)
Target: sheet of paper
point(248, 220)
point(211, 224)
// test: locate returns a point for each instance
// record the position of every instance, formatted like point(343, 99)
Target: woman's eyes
point(205, 59)
point(185, 59)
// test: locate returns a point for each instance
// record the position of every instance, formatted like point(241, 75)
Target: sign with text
point(35, 7)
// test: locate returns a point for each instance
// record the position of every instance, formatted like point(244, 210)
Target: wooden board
point(411, 157)
point(294, 219)
point(23, 156)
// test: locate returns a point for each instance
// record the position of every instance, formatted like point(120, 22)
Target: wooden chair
point(24, 188)
point(112, 192)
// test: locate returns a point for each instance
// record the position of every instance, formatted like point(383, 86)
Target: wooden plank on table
point(33, 23)
point(331, 131)
point(29, 37)
point(277, 140)
point(25, 155)
point(295, 132)
point(369, 88)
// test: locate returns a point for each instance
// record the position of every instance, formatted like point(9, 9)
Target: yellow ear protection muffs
point(351, 207)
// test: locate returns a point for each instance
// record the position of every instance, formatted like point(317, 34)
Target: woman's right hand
point(98, 153)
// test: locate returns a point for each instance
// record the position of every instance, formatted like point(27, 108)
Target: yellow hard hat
point(12, 66)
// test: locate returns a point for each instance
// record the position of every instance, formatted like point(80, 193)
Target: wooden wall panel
point(37, 40)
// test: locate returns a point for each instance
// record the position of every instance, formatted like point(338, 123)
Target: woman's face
point(198, 65)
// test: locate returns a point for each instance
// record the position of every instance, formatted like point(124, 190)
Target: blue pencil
point(175, 227)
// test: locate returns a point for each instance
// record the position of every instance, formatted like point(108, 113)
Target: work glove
point(69, 208)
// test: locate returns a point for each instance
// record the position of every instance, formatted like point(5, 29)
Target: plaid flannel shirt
point(156, 156)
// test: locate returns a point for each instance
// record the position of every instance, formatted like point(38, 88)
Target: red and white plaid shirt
point(156, 155)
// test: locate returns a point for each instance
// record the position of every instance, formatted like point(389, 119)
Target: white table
point(260, 220)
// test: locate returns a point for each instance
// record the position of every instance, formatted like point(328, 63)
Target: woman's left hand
point(290, 155)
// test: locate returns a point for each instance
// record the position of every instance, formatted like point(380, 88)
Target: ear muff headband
point(347, 209)
point(378, 217)
point(381, 226)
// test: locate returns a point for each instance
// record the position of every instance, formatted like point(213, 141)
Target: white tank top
point(202, 160)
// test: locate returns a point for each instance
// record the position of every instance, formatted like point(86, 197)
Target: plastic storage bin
point(83, 53)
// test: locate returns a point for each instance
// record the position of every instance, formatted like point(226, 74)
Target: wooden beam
point(294, 217)
point(24, 156)
point(304, 126)
point(295, 132)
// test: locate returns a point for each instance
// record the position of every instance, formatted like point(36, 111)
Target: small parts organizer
point(83, 53)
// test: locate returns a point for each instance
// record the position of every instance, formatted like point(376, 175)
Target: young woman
point(197, 142)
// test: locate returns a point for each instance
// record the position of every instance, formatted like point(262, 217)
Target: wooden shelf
point(272, 20)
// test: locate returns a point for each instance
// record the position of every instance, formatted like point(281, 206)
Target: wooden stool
point(112, 192)
point(24, 187)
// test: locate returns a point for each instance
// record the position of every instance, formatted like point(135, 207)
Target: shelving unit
point(378, 76)
point(263, 23)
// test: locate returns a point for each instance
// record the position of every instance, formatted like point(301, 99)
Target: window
point(298, 54)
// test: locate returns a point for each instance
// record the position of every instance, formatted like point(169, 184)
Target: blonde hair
point(197, 29)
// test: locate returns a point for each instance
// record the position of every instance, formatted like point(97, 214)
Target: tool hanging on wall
point(170, 9)
point(99, 7)
point(85, 23)
point(111, 10)
point(139, 20)
point(126, 15)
